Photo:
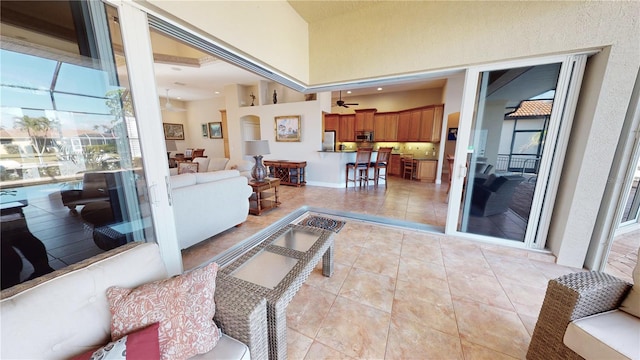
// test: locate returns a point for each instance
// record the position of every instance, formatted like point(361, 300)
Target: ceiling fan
point(342, 103)
point(169, 107)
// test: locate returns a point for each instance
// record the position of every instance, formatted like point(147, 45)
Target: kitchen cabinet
point(403, 126)
point(391, 127)
point(426, 170)
point(437, 122)
point(415, 120)
point(364, 119)
point(379, 127)
point(347, 128)
point(426, 124)
point(394, 166)
point(332, 122)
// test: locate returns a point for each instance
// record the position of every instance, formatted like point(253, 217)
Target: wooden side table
point(264, 197)
point(289, 172)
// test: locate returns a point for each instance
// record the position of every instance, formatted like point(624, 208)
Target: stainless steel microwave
point(362, 136)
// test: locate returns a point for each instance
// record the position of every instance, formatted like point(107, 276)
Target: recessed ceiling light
point(216, 92)
point(349, 92)
point(379, 89)
point(174, 68)
point(179, 98)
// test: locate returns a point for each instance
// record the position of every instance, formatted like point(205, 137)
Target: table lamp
point(257, 148)
point(171, 146)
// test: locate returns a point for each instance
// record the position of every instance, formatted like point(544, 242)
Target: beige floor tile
point(297, 344)
point(378, 262)
point(433, 307)
point(519, 270)
point(369, 289)
point(410, 339)
point(525, 299)
point(356, 330)
point(476, 352)
point(421, 249)
point(384, 242)
point(308, 308)
point(491, 327)
point(346, 254)
point(529, 322)
point(331, 284)
point(319, 351)
point(479, 287)
point(424, 273)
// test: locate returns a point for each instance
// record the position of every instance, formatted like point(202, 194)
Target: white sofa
point(66, 313)
point(206, 204)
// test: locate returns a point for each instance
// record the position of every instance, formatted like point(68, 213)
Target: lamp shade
point(171, 145)
point(256, 147)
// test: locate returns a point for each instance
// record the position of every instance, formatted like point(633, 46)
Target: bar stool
point(384, 153)
point(407, 166)
point(360, 167)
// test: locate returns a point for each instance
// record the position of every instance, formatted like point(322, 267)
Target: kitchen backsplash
point(418, 149)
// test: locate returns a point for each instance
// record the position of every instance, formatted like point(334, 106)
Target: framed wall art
point(205, 130)
point(288, 128)
point(173, 131)
point(215, 130)
point(452, 134)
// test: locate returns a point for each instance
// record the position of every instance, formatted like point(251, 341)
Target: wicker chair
point(568, 298)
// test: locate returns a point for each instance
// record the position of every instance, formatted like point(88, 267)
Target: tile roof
point(529, 108)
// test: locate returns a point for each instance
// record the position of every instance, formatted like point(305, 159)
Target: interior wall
point(391, 101)
point(267, 30)
point(203, 112)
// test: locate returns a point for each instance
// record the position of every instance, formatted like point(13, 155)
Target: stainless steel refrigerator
point(329, 141)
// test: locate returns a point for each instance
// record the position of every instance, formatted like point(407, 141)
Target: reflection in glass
point(69, 148)
point(508, 133)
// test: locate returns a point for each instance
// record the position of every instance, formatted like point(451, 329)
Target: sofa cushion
point(142, 344)
point(631, 303)
point(217, 164)
point(182, 180)
point(203, 163)
point(227, 348)
point(183, 305)
point(610, 335)
point(215, 176)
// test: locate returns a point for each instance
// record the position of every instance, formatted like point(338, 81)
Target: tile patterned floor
point(396, 292)
point(399, 293)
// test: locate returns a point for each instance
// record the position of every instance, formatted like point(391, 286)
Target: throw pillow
point(183, 305)
point(142, 344)
point(631, 303)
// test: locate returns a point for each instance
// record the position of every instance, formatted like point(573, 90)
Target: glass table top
point(265, 269)
point(297, 239)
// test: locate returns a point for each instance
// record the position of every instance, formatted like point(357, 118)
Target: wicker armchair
point(568, 298)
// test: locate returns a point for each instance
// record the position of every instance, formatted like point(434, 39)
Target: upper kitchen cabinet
point(347, 128)
point(364, 119)
point(426, 124)
point(404, 119)
point(332, 122)
point(385, 127)
point(437, 122)
point(415, 121)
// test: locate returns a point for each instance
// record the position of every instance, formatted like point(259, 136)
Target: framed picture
point(288, 128)
point(187, 167)
point(452, 134)
point(215, 130)
point(173, 131)
point(205, 130)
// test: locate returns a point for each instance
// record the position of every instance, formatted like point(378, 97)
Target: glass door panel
point(70, 165)
point(508, 132)
point(631, 214)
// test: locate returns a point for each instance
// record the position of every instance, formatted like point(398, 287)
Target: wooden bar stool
point(360, 167)
point(407, 166)
point(381, 162)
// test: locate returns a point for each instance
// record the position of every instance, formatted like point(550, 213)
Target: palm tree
point(38, 129)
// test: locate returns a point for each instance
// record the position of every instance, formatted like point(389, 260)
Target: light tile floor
point(399, 293)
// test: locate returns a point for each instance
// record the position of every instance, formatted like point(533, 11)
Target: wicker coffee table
point(276, 268)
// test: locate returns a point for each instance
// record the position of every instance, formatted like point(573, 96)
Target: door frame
point(565, 100)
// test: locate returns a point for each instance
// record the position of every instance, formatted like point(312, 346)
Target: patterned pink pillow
point(183, 305)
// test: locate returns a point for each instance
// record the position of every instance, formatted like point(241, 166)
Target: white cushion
point(227, 348)
point(218, 164)
point(215, 176)
point(243, 165)
point(69, 314)
point(182, 180)
point(610, 335)
point(204, 164)
point(631, 303)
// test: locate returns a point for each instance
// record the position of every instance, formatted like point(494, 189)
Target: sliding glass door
point(510, 148)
